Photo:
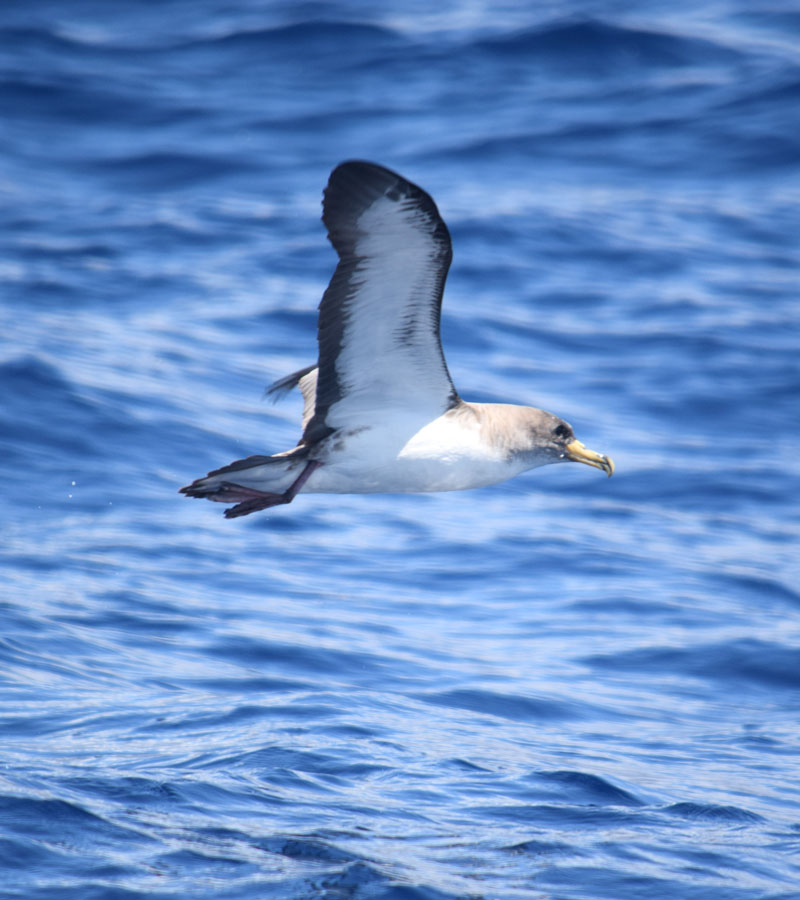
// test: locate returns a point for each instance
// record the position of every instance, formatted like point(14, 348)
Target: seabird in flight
point(381, 412)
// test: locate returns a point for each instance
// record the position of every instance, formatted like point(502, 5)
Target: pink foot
point(228, 492)
point(253, 500)
point(255, 504)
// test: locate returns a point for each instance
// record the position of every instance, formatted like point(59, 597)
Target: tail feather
point(306, 380)
point(221, 485)
point(248, 462)
point(280, 388)
point(265, 488)
point(219, 491)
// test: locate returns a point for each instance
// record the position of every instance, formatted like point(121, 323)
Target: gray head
point(538, 437)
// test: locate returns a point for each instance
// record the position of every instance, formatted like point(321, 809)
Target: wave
point(745, 663)
point(170, 169)
point(505, 706)
point(315, 36)
point(591, 43)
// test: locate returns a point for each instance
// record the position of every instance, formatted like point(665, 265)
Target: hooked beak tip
point(578, 453)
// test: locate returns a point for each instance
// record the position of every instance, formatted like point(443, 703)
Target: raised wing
point(379, 345)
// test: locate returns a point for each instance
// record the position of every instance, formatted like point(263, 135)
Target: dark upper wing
point(379, 344)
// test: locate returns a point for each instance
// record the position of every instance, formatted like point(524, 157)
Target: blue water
point(565, 687)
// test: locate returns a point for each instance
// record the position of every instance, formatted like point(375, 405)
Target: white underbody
point(450, 453)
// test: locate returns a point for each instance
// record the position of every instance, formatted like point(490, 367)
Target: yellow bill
point(578, 453)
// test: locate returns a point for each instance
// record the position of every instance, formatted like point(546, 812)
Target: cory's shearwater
point(381, 412)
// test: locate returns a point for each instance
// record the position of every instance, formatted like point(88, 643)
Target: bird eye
point(561, 430)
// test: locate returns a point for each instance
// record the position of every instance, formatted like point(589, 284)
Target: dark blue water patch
point(132, 791)
point(421, 892)
point(611, 883)
point(75, 252)
point(295, 658)
point(762, 588)
point(654, 148)
point(251, 686)
point(358, 877)
point(314, 39)
point(293, 322)
point(307, 848)
point(708, 813)
point(523, 709)
point(587, 788)
point(79, 277)
point(134, 628)
point(766, 743)
point(24, 855)
point(682, 490)
point(41, 394)
point(772, 150)
point(165, 169)
point(32, 98)
point(600, 48)
point(42, 41)
point(229, 795)
point(62, 654)
point(84, 720)
point(768, 101)
point(464, 765)
point(26, 40)
point(705, 862)
point(203, 865)
point(239, 715)
point(157, 237)
point(336, 122)
point(746, 663)
point(78, 827)
point(286, 759)
point(347, 732)
point(95, 886)
point(85, 428)
point(542, 850)
point(565, 817)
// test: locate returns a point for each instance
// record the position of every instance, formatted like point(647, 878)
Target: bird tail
point(306, 380)
point(280, 388)
point(245, 477)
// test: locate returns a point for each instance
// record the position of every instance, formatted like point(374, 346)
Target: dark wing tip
point(354, 185)
point(359, 176)
point(353, 189)
point(357, 179)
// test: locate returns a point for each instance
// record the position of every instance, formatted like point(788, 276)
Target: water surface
point(564, 687)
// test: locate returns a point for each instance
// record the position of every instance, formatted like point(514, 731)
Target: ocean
point(564, 687)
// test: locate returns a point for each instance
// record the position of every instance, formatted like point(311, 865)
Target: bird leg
point(254, 500)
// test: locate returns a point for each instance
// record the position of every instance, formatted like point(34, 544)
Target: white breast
point(447, 454)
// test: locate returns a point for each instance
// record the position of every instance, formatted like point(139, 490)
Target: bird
point(381, 413)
